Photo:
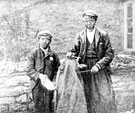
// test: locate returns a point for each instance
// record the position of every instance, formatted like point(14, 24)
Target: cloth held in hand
point(46, 82)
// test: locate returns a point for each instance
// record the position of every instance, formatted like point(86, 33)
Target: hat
point(90, 13)
point(44, 33)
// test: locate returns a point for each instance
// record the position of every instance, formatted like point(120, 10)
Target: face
point(44, 41)
point(89, 23)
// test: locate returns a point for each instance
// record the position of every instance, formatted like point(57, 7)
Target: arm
point(30, 68)
point(108, 55)
point(76, 47)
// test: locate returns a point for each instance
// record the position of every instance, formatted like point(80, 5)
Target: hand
point(69, 55)
point(78, 58)
point(94, 69)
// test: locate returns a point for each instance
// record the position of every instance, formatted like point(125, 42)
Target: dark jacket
point(103, 47)
point(38, 63)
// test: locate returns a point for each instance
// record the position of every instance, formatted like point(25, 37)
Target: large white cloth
point(70, 97)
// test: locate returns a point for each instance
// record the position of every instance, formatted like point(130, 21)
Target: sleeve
point(108, 55)
point(30, 68)
point(76, 47)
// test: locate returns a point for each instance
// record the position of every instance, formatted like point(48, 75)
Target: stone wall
point(15, 96)
point(124, 87)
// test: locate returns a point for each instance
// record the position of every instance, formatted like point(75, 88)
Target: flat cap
point(90, 13)
point(44, 33)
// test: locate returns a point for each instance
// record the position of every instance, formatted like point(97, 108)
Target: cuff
point(99, 67)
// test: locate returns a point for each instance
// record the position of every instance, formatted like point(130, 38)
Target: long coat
point(98, 88)
point(38, 62)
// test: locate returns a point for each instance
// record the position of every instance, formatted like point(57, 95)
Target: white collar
point(44, 50)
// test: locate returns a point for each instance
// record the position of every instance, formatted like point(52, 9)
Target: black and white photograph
point(67, 56)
